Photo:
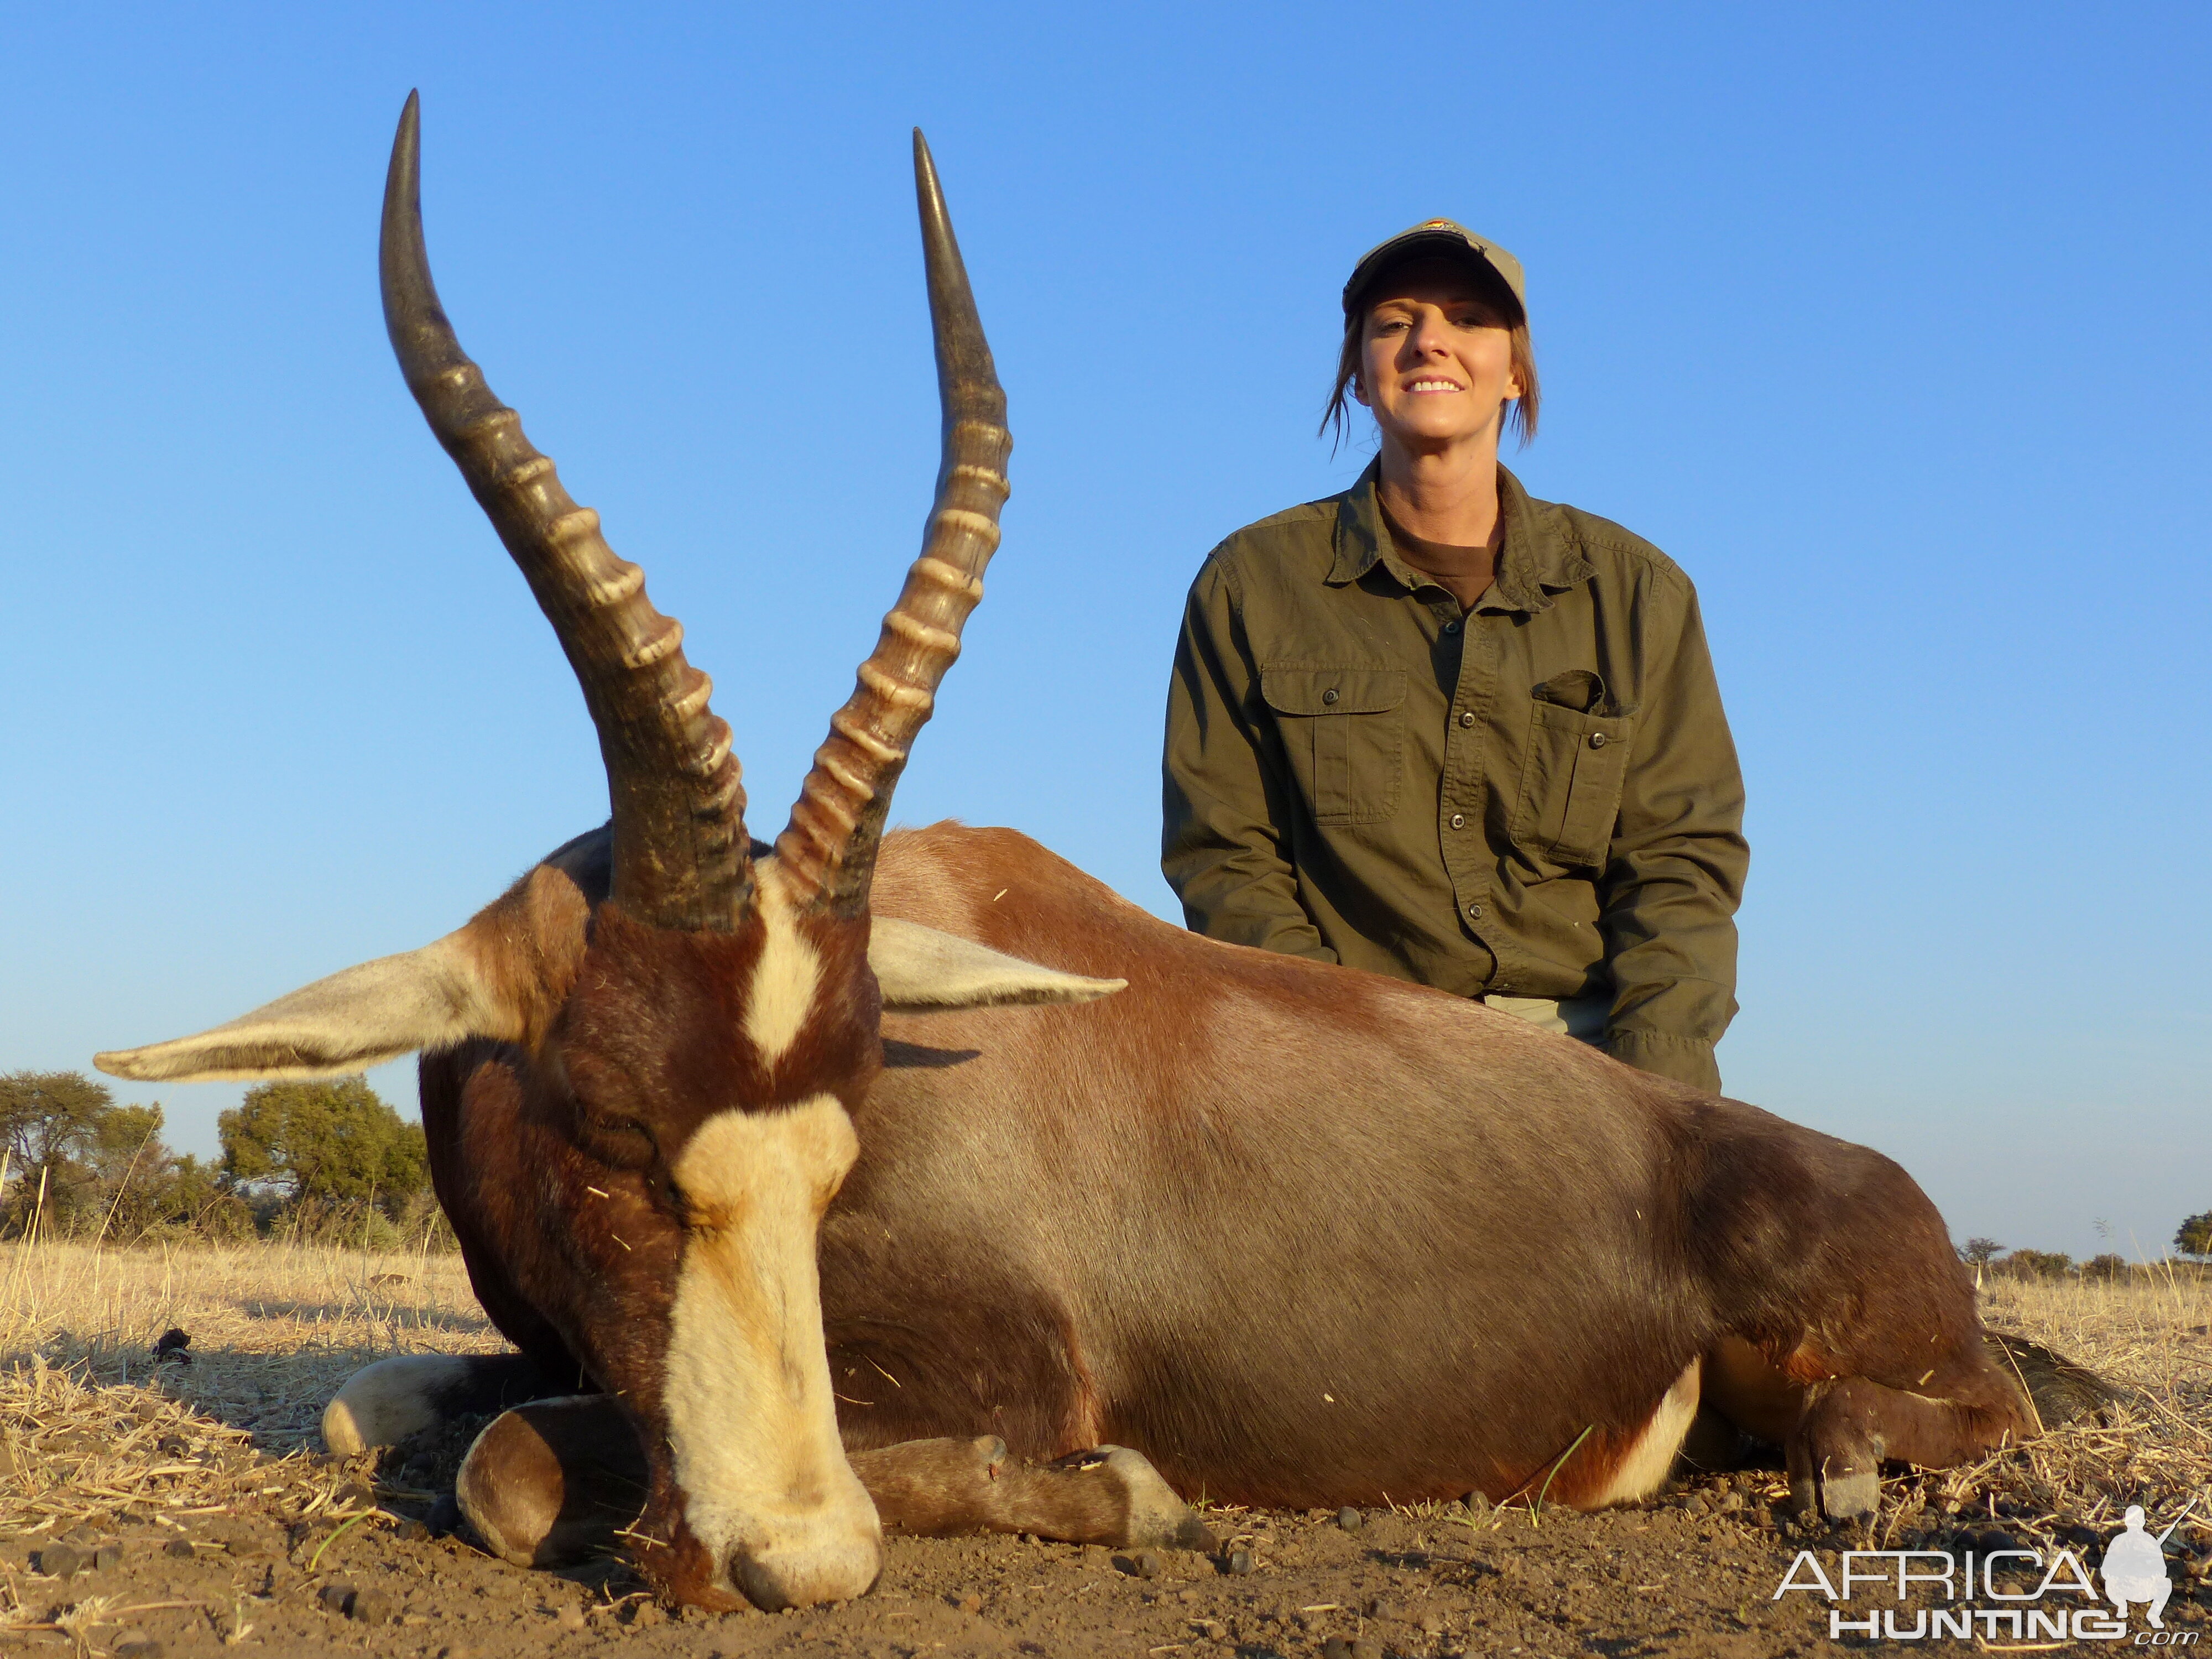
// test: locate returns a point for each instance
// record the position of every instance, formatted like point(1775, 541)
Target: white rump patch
point(785, 979)
point(751, 1421)
point(919, 967)
point(1648, 1461)
point(432, 997)
point(381, 1405)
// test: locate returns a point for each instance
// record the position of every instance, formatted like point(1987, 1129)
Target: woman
point(1437, 729)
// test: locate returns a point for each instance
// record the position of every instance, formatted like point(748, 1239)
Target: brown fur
point(554, 1160)
point(1302, 1236)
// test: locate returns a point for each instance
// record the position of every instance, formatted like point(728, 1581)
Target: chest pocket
point(1571, 784)
point(1344, 735)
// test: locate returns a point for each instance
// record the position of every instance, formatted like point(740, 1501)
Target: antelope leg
point(1852, 1425)
point(1108, 1495)
point(384, 1403)
point(556, 1480)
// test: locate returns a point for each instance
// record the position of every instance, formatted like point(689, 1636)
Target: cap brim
point(1420, 245)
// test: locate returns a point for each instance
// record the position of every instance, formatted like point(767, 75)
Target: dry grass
point(92, 1429)
point(2151, 1335)
point(274, 1328)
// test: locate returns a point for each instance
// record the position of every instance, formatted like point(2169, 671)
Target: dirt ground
point(184, 1511)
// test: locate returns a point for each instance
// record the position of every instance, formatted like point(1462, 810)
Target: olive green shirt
point(1537, 796)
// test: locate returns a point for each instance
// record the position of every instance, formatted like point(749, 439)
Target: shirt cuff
point(1686, 1059)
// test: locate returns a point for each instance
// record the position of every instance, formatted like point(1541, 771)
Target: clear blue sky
point(1887, 322)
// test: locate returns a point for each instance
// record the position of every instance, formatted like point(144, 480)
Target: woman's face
point(1435, 357)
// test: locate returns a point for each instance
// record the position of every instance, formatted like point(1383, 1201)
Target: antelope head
point(672, 1058)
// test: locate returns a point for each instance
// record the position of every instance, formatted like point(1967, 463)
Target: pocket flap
point(1577, 689)
point(1333, 691)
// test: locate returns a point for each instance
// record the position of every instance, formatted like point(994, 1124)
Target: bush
point(2034, 1264)
point(422, 1224)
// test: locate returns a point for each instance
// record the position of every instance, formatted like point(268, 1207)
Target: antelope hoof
point(1840, 1495)
point(1854, 1497)
point(554, 1482)
point(1156, 1517)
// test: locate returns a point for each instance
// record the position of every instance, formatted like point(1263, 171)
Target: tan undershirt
point(1465, 572)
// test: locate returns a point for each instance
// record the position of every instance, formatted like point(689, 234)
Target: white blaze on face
point(751, 1419)
point(784, 981)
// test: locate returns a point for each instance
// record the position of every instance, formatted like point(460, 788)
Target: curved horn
point(829, 847)
point(681, 855)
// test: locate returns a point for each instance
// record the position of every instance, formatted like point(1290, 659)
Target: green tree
point(106, 1170)
point(48, 1121)
point(1978, 1252)
point(124, 1141)
point(48, 1117)
point(2195, 1236)
point(130, 1171)
point(331, 1141)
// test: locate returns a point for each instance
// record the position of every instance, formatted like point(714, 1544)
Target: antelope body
point(922, 1182)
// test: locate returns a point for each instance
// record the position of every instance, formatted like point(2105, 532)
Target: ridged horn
point(681, 854)
point(829, 847)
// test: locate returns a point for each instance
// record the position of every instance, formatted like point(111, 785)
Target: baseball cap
point(1434, 236)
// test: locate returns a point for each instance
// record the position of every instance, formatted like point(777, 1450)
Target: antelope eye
point(622, 1141)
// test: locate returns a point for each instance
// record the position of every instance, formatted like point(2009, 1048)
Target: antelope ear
point(503, 976)
point(919, 967)
point(427, 999)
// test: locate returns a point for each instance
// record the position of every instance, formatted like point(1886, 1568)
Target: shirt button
point(1459, 820)
point(1451, 628)
point(1475, 911)
point(1467, 718)
point(1597, 738)
point(1329, 696)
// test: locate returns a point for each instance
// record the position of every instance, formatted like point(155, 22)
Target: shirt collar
point(1540, 555)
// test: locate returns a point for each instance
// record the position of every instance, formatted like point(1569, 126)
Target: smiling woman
point(1434, 728)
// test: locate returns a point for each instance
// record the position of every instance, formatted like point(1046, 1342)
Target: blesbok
point(751, 1160)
